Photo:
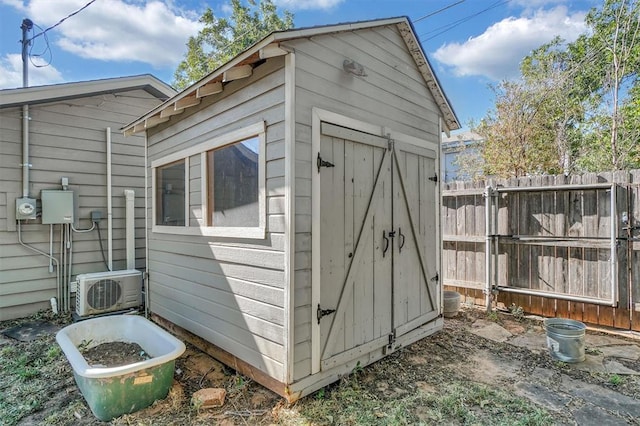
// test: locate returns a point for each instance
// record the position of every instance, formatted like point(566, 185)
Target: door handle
point(401, 235)
point(386, 242)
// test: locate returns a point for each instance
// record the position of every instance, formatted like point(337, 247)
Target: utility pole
point(26, 26)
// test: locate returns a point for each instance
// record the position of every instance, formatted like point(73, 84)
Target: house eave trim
point(60, 92)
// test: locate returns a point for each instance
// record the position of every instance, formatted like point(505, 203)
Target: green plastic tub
point(111, 392)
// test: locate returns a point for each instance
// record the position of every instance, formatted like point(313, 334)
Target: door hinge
point(323, 312)
point(434, 178)
point(322, 163)
point(390, 143)
point(436, 278)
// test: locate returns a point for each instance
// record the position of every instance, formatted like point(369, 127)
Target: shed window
point(234, 184)
point(170, 194)
point(214, 188)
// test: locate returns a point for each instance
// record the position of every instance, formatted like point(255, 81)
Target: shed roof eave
point(204, 80)
point(405, 27)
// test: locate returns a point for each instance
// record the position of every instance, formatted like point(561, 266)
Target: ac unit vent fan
point(104, 294)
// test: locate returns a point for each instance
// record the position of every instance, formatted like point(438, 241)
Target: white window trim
point(204, 229)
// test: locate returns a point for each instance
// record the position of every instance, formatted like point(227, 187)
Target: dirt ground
point(481, 369)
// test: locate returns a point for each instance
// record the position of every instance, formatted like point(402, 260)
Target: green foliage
point(576, 107)
point(493, 316)
point(616, 380)
point(54, 352)
point(517, 134)
point(221, 39)
point(517, 312)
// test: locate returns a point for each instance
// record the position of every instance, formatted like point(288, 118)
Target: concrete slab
point(490, 330)
point(598, 340)
point(535, 342)
point(614, 367)
point(601, 397)
point(543, 374)
point(542, 395)
point(631, 352)
point(601, 364)
point(592, 364)
point(30, 331)
point(590, 415)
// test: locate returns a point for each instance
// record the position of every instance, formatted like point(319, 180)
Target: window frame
point(204, 227)
point(186, 192)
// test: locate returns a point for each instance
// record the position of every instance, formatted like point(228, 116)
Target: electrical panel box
point(57, 206)
point(25, 208)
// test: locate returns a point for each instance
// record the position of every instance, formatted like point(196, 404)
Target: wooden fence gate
point(559, 246)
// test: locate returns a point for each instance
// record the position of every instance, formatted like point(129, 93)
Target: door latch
point(392, 339)
point(322, 163)
point(323, 312)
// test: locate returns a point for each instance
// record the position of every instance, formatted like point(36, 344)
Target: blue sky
point(471, 44)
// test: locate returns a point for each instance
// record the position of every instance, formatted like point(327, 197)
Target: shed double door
point(378, 242)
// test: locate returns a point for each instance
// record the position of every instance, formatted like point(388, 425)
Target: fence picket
point(542, 260)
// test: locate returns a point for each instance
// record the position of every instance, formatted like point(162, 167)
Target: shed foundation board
point(224, 356)
point(311, 383)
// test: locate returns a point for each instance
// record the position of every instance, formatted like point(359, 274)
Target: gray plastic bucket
point(451, 303)
point(565, 339)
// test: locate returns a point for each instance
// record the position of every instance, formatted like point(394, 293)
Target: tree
point(610, 63)
point(516, 134)
point(221, 39)
point(533, 128)
point(549, 72)
point(582, 98)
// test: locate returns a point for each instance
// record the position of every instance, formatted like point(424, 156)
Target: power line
point(62, 20)
point(44, 52)
point(438, 11)
point(461, 21)
point(28, 42)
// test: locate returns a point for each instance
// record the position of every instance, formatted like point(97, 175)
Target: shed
point(69, 127)
point(293, 203)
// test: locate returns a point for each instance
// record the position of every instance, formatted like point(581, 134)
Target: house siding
point(229, 291)
point(68, 138)
point(393, 94)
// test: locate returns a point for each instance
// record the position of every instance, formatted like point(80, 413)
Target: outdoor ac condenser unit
point(101, 292)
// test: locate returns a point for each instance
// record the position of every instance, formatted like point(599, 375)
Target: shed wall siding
point(68, 139)
point(229, 291)
point(393, 94)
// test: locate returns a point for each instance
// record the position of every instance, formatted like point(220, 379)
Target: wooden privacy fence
point(566, 246)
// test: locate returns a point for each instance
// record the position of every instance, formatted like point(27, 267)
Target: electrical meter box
point(57, 206)
point(25, 208)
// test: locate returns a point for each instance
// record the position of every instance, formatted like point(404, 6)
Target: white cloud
point(11, 73)
point(16, 4)
point(153, 32)
point(497, 52)
point(307, 4)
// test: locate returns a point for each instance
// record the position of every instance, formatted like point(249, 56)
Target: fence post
point(488, 192)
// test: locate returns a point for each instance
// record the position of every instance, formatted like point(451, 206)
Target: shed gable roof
point(64, 91)
point(242, 64)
